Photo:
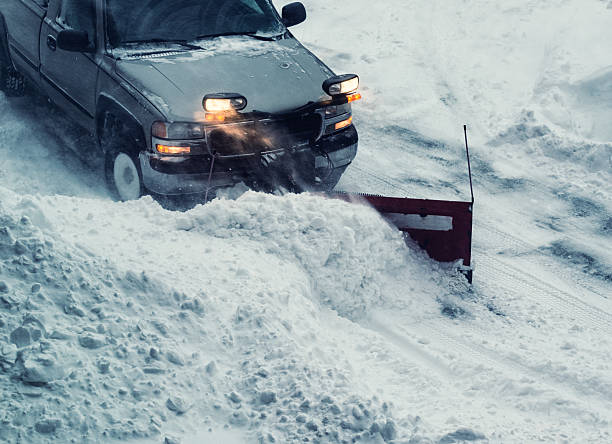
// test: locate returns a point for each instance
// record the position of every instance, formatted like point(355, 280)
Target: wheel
point(126, 178)
point(122, 165)
point(11, 82)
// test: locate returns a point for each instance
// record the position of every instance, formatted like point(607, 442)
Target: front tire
point(125, 177)
point(122, 164)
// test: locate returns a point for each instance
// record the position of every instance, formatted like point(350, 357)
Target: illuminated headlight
point(222, 103)
point(343, 84)
point(177, 131)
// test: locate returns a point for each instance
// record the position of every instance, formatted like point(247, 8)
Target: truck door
point(23, 19)
point(69, 78)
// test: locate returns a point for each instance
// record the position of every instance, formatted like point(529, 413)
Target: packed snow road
point(260, 318)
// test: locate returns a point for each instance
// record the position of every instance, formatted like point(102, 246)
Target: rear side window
point(79, 15)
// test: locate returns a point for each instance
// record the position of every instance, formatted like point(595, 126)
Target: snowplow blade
point(442, 228)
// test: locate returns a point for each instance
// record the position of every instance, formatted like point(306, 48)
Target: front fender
point(108, 105)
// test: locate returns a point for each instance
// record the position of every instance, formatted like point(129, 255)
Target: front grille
point(293, 130)
point(264, 135)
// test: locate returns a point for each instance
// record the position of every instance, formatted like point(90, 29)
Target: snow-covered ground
point(297, 319)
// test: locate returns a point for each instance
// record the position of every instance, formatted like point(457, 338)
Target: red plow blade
point(442, 228)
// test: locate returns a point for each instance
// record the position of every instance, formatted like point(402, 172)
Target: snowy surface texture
point(262, 318)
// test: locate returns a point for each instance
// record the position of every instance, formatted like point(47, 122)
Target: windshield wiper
point(183, 43)
point(253, 34)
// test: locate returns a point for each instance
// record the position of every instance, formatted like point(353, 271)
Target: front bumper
point(324, 161)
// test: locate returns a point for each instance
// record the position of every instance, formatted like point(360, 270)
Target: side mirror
point(294, 14)
point(74, 41)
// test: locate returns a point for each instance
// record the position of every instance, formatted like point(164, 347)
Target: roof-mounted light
point(343, 84)
point(224, 102)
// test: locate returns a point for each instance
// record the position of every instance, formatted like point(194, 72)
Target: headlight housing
point(178, 130)
point(224, 102)
point(343, 84)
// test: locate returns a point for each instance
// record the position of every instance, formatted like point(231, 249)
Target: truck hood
point(274, 76)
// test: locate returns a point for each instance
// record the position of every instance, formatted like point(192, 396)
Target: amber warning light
point(215, 117)
point(353, 97)
point(166, 149)
point(344, 123)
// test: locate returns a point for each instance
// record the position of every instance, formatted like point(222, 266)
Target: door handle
point(51, 42)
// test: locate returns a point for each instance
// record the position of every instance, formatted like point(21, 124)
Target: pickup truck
point(186, 96)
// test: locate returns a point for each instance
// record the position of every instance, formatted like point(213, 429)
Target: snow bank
point(347, 252)
point(130, 321)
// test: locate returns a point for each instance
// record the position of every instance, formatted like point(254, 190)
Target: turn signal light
point(165, 149)
point(215, 117)
point(344, 123)
point(353, 97)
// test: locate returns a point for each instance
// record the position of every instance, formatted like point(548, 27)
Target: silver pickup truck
point(186, 96)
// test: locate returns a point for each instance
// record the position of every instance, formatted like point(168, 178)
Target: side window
point(79, 15)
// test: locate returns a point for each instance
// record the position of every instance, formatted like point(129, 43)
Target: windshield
point(186, 20)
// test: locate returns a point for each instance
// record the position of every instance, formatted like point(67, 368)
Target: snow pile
point(347, 259)
point(178, 323)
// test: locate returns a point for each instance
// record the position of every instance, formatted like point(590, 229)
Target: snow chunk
point(41, 371)
point(21, 337)
point(91, 340)
point(177, 404)
point(47, 426)
point(461, 435)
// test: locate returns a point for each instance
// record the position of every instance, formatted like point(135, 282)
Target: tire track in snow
point(479, 356)
point(544, 292)
point(508, 241)
point(410, 348)
point(514, 367)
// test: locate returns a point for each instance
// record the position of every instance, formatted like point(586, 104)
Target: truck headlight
point(343, 84)
point(177, 130)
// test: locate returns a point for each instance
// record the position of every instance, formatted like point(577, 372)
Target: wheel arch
point(109, 106)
